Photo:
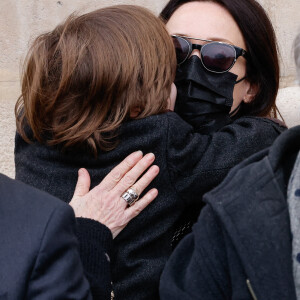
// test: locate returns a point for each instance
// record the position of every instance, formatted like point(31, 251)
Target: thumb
point(83, 183)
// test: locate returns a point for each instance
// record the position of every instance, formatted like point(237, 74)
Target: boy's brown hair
point(82, 80)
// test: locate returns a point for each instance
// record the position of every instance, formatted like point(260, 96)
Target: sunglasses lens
point(182, 49)
point(217, 57)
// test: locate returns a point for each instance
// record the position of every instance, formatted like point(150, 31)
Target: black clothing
point(95, 247)
point(39, 256)
point(204, 99)
point(243, 233)
point(190, 165)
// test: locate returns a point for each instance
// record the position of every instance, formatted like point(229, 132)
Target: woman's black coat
point(241, 245)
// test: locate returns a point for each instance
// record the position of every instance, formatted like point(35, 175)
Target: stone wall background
point(22, 20)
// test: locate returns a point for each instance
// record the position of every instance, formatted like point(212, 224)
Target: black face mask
point(204, 99)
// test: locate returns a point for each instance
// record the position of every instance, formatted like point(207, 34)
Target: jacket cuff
point(95, 245)
point(92, 233)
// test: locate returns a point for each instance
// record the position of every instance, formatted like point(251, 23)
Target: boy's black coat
point(190, 165)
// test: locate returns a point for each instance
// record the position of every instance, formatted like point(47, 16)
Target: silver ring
point(130, 196)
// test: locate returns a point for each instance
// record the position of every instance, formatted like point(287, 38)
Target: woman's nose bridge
point(195, 52)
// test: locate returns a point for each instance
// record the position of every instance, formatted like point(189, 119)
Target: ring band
point(130, 196)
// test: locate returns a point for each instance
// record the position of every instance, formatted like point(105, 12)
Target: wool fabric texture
point(241, 245)
point(190, 165)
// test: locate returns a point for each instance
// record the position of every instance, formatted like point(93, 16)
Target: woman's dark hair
point(260, 39)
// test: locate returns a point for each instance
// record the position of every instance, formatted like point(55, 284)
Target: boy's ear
point(172, 98)
point(251, 92)
point(135, 111)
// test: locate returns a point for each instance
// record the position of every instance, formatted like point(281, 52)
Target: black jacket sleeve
point(58, 272)
point(197, 163)
point(95, 244)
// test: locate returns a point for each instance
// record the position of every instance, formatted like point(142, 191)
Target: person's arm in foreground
point(57, 272)
point(104, 205)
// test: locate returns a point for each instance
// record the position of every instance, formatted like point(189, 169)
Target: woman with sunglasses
point(98, 87)
point(245, 244)
point(227, 73)
point(227, 47)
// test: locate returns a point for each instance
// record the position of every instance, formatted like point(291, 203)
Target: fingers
point(146, 179)
point(83, 183)
point(116, 174)
point(129, 179)
point(134, 210)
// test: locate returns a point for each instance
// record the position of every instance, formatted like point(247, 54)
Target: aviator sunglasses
point(216, 57)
